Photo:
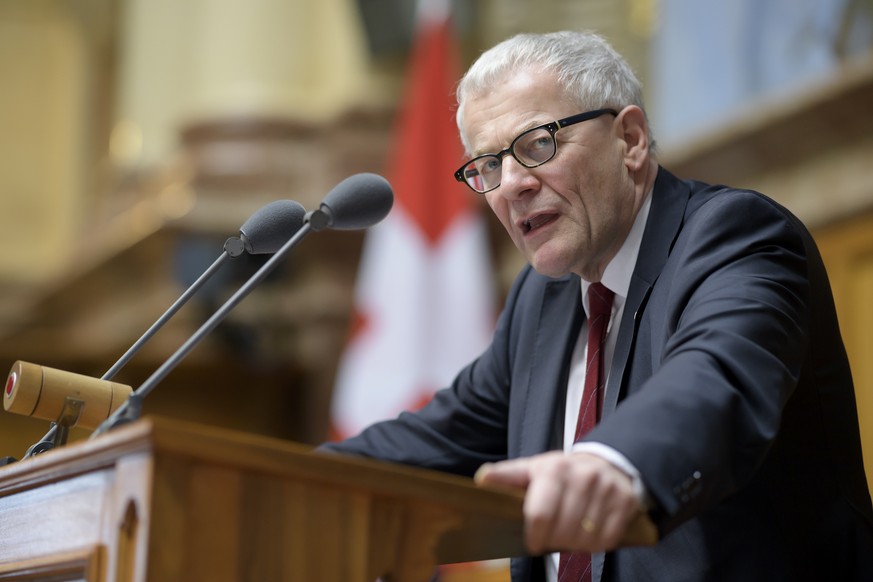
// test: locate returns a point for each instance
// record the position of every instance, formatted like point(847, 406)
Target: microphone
point(357, 202)
point(271, 226)
point(41, 392)
point(263, 232)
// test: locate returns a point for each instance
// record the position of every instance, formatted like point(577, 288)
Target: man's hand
point(575, 501)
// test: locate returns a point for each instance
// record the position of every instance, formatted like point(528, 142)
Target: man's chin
point(549, 266)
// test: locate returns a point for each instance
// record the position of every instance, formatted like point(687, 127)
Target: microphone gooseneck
point(263, 233)
point(357, 202)
point(270, 226)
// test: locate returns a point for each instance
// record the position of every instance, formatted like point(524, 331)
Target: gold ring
point(588, 525)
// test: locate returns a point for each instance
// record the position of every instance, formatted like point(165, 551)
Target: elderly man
point(672, 348)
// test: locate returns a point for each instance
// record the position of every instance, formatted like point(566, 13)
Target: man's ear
point(634, 130)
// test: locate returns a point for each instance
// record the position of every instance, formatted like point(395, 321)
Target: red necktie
point(576, 566)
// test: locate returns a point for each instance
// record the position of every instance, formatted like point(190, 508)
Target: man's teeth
point(536, 221)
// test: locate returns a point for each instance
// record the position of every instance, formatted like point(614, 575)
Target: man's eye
point(537, 144)
point(490, 165)
point(541, 143)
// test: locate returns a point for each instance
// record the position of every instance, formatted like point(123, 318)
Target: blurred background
point(137, 135)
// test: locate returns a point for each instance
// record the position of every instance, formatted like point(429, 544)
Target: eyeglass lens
point(531, 148)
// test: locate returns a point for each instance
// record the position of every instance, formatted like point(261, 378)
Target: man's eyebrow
point(526, 127)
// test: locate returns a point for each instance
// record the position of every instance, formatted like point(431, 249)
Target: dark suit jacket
point(729, 390)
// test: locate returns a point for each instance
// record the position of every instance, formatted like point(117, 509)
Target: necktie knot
point(599, 301)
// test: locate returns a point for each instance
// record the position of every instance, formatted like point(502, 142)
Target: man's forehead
point(493, 119)
point(493, 139)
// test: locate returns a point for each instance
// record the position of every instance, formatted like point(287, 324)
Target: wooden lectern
point(167, 501)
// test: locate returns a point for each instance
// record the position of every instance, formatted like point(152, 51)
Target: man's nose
point(516, 179)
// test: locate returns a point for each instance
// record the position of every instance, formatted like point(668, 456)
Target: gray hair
point(592, 73)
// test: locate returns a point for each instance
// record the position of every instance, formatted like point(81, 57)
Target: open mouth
point(538, 221)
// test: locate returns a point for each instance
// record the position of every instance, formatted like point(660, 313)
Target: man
point(727, 412)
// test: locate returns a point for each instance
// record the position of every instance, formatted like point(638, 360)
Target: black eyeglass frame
point(552, 127)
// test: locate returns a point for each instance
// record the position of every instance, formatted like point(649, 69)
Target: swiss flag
point(424, 299)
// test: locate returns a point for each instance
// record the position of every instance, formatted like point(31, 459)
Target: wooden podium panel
point(163, 500)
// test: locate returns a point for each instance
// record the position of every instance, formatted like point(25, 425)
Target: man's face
point(573, 213)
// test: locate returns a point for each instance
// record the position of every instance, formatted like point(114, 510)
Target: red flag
point(424, 301)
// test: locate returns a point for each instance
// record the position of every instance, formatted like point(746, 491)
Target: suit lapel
point(669, 199)
point(545, 386)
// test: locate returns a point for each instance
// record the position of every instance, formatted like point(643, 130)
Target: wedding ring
point(588, 525)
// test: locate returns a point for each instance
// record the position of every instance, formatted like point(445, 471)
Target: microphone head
point(271, 226)
point(359, 201)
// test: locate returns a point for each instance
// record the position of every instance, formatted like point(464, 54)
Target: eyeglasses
point(532, 148)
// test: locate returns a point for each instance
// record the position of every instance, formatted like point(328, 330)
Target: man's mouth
point(537, 221)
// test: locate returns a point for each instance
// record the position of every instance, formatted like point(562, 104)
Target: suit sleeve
point(463, 426)
point(727, 327)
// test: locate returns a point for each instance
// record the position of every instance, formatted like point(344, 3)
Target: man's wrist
point(620, 462)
